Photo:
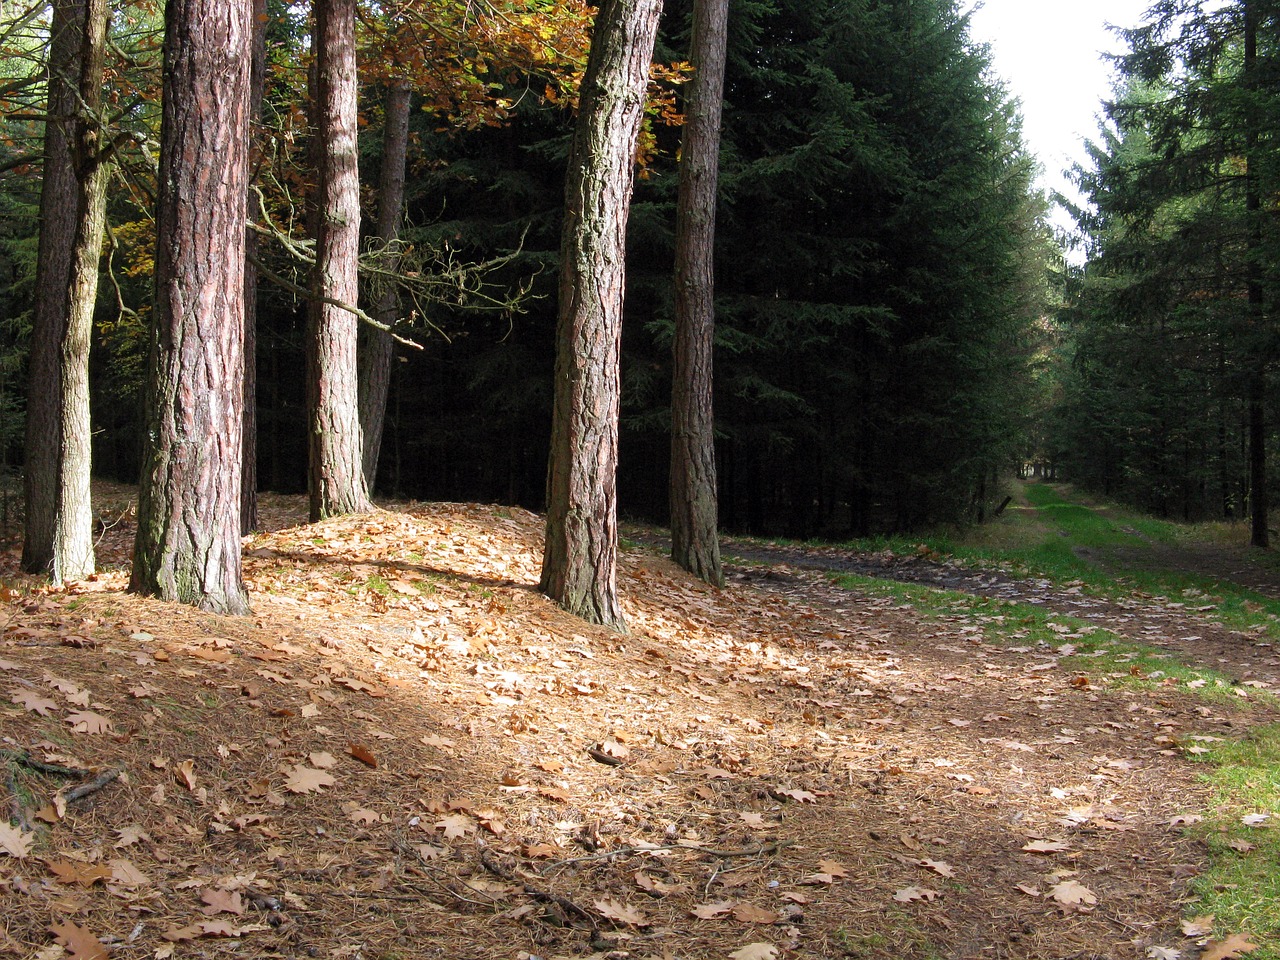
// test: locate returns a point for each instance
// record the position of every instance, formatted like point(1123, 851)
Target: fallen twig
point(93, 786)
point(564, 903)
point(763, 849)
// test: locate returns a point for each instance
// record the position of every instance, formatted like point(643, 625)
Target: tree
point(59, 530)
point(1174, 336)
point(335, 474)
point(579, 564)
point(249, 436)
point(188, 540)
point(377, 348)
point(695, 543)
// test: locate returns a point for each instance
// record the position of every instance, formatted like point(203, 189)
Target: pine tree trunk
point(188, 542)
point(249, 441)
point(377, 349)
point(695, 544)
point(73, 535)
point(335, 475)
point(58, 223)
point(579, 565)
point(1259, 534)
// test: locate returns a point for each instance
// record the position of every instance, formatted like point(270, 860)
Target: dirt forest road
point(1185, 626)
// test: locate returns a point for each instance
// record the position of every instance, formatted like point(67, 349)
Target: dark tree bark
point(249, 442)
point(59, 521)
point(188, 542)
point(695, 543)
point(579, 564)
point(377, 349)
point(1259, 535)
point(335, 475)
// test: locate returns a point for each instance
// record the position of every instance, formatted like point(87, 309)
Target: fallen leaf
point(755, 821)
point(130, 835)
point(1069, 893)
point(1163, 953)
point(622, 912)
point(1255, 819)
point(221, 901)
point(709, 911)
point(749, 913)
point(32, 701)
point(81, 873)
point(800, 796)
point(80, 943)
point(1198, 926)
point(833, 868)
point(796, 896)
point(185, 774)
point(14, 842)
point(1029, 890)
point(363, 754)
point(1044, 846)
point(323, 760)
point(940, 867)
point(755, 951)
point(456, 827)
point(908, 894)
point(1236, 945)
point(86, 721)
point(124, 872)
point(307, 780)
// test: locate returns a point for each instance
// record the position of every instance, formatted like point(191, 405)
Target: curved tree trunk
point(188, 542)
point(695, 543)
point(377, 349)
point(335, 470)
point(249, 439)
point(579, 564)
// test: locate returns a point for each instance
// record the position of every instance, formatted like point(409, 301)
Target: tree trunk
point(1259, 536)
point(249, 441)
point(377, 349)
point(579, 564)
point(335, 475)
point(188, 542)
point(59, 222)
point(695, 544)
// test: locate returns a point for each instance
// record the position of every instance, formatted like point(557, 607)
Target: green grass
point(1084, 648)
point(1241, 888)
point(1107, 555)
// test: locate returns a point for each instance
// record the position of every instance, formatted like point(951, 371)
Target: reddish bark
point(695, 544)
point(579, 566)
point(336, 475)
point(188, 542)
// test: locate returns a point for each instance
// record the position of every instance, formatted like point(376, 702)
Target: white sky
point(1048, 52)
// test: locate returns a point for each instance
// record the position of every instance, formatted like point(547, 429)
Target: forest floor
point(408, 752)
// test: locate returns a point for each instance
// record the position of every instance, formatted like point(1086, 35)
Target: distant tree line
point(1167, 376)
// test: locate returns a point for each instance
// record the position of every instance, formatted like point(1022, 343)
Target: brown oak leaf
point(307, 780)
point(32, 702)
point(79, 942)
point(622, 913)
point(1236, 945)
point(86, 721)
point(15, 843)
